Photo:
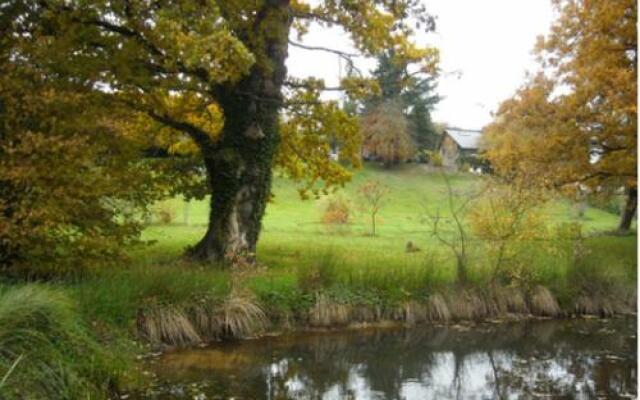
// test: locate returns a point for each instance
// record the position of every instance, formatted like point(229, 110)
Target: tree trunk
point(373, 224)
point(239, 165)
point(629, 210)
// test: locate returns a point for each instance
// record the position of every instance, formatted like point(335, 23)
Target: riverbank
point(241, 315)
point(89, 332)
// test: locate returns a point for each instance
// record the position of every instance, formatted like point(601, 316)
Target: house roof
point(466, 139)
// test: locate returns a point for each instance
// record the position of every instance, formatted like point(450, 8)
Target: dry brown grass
point(412, 312)
point(366, 313)
point(543, 303)
point(586, 305)
point(468, 305)
point(169, 325)
point(326, 313)
point(240, 316)
point(206, 320)
point(507, 300)
point(601, 305)
point(437, 309)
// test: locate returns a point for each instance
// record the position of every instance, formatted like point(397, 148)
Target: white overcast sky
point(485, 48)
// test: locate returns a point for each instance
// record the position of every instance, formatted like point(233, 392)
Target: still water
point(571, 359)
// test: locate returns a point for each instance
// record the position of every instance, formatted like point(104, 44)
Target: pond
point(581, 359)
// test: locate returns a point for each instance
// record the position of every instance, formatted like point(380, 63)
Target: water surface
point(571, 359)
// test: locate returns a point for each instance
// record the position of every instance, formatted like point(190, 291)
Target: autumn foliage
point(573, 126)
point(72, 187)
point(386, 134)
point(204, 84)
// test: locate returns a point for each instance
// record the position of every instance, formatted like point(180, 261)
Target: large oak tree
point(210, 75)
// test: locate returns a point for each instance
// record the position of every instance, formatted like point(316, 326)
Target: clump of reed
point(237, 316)
point(46, 352)
point(504, 301)
point(437, 309)
point(604, 304)
point(169, 325)
point(326, 313)
point(543, 303)
point(241, 316)
point(410, 312)
point(469, 306)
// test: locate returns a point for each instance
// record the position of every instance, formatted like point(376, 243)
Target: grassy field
point(295, 244)
point(293, 233)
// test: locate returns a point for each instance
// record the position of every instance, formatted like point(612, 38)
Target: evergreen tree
point(414, 90)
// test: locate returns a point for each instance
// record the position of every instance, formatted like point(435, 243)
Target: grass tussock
point(412, 312)
point(169, 325)
point(437, 309)
point(507, 300)
point(543, 303)
point(326, 313)
point(468, 306)
point(237, 316)
point(241, 316)
point(46, 352)
point(604, 305)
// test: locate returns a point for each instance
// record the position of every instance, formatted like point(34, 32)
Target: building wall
point(449, 151)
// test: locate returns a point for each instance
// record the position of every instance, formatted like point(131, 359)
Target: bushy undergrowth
point(46, 351)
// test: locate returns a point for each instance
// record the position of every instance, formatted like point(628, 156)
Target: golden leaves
point(316, 138)
point(386, 134)
point(579, 123)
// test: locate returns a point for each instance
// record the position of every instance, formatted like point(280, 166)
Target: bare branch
point(322, 48)
point(298, 85)
point(348, 57)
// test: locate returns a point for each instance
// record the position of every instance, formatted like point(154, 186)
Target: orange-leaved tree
point(386, 134)
point(574, 125)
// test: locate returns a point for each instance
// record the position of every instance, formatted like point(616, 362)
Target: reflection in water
point(565, 359)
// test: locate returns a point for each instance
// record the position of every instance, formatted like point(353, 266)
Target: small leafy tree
point(72, 187)
point(373, 195)
point(508, 221)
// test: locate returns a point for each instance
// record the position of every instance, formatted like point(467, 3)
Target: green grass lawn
point(302, 255)
point(293, 233)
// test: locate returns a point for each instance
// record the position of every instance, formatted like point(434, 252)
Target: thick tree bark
point(239, 166)
point(629, 210)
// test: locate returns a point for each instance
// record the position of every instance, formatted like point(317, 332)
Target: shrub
point(337, 211)
point(508, 220)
